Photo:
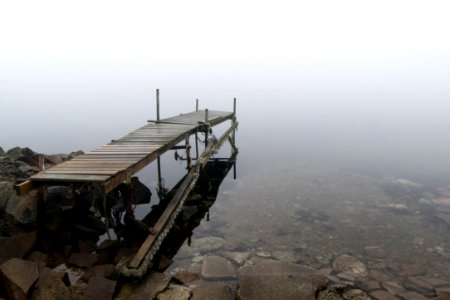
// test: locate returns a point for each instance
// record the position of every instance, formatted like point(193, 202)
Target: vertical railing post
point(207, 127)
point(234, 121)
point(196, 132)
point(158, 160)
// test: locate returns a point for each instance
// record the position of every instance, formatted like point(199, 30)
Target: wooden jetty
point(112, 165)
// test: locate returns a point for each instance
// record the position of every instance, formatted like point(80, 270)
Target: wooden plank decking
point(114, 163)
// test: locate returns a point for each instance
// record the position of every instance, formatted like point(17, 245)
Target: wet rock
point(418, 285)
point(350, 265)
point(375, 251)
point(38, 257)
point(100, 288)
point(212, 291)
point(83, 260)
point(382, 295)
point(436, 282)
point(262, 253)
point(324, 258)
point(23, 208)
point(74, 275)
point(411, 270)
point(345, 277)
point(16, 246)
point(207, 244)
point(285, 256)
point(238, 258)
point(175, 292)
point(186, 277)
point(355, 294)
point(278, 280)
point(373, 285)
point(412, 296)
point(103, 271)
point(442, 294)
point(50, 286)
point(18, 277)
point(217, 267)
point(153, 284)
point(6, 191)
point(393, 287)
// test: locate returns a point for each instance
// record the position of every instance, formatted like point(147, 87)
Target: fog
point(346, 81)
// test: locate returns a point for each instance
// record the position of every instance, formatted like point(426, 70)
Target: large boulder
point(271, 279)
point(6, 191)
point(100, 288)
point(16, 246)
point(50, 286)
point(23, 208)
point(18, 277)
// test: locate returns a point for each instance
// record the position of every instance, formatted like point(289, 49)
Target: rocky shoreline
point(62, 257)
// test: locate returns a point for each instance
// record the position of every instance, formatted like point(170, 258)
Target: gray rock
point(217, 267)
point(23, 208)
point(83, 260)
point(212, 292)
point(413, 296)
point(154, 284)
point(350, 265)
point(382, 295)
point(6, 191)
point(18, 277)
point(186, 277)
point(418, 285)
point(50, 286)
point(393, 287)
point(100, 288)
point(277, 280)
point(2, 152)
point(207, 244)
point(375, 251)
point(285, 255)
point(238, 258)
point(14, 153)
point(175, 292)
point(16, 246)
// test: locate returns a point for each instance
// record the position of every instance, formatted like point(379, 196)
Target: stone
point(373, 285)
point(262, 253)
point(355, 294)
point(50, 286)
point(100, 288)
point(14, 153)
point(16, 246)
point(78, 290)
point(2, 152)
point(285, 255)
point(238, 258)
point(350, 265)
point(6, 191)
point(212, 291)
point(207, 244)
point(82, 260)
point(217, 267)
point(185, 277)
point(412, 296)
point(153, 284)
point(38, 257)
point(18, 277)
point(278, 280)
point(414, 283)
point(175, 292)
point(375, 251)
point(393, 287)
point(442, 295)
point(345, 277)
point(436, 282)
point(103, 271)
point(23, 208)
point(73, 274)
point(382, 295)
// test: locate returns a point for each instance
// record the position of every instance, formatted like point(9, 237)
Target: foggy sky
point(76, 74)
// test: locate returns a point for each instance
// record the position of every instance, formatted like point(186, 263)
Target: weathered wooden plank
point(71, 178)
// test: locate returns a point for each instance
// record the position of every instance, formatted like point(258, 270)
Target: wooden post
point(233, 136)
point(157, 104)
point(196, 132)
point(188, 152)
point(207, 128)
point(158, 160)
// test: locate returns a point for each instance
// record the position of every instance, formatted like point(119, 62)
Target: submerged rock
point(175, 292)
point(154, 284)
point(217, 267)
point(350, 265)
point(277, 280)
point(238, 258)
point(212, 291)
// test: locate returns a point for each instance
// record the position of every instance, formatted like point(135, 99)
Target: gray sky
point(80, 63)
